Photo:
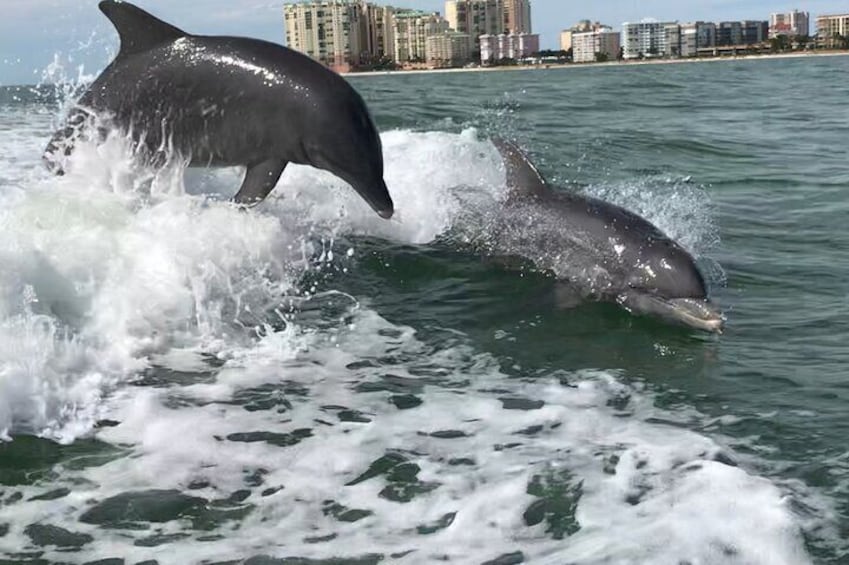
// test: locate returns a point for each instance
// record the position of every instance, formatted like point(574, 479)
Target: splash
point(187, 345)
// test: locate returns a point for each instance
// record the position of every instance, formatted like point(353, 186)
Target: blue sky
point(34, 32)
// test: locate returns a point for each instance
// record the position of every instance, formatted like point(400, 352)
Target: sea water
point(186, 382)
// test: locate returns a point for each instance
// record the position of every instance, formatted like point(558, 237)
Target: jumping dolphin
point(603, 250)
point(228, 101)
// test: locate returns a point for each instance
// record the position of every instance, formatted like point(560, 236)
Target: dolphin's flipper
point(260, 179)
point(523, 178)
point(61, 145)
point(139, 30)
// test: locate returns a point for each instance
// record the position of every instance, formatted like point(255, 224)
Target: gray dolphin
point(602, 250)
point(227, 101)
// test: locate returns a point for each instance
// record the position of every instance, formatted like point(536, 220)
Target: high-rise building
point(410, 31)
point(448, 49)
point(377, 33)
point(689, 44)
point(754, 32)
point(705, 35)
point(729, 33)
point(581, 27)
point(647, 39)
point(345, 34)
point(708, 35)
point(590, 46)
point(566, 39)
point(831, 28)
point(513, 46)
point(517, 16)
point(793, 24)
point(475, 18)
point(672, 40)
point(329, 31)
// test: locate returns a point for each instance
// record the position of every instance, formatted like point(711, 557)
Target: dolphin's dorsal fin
point(523, 178)
point(139, 31)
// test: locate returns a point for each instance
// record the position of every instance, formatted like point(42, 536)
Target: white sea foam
point(111, 275)
point(648, 492)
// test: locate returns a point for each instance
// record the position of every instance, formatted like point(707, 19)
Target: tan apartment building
point(329, 31)
point(346, 34)
point(377, 32)
point(590, 46)
point(475, 18)
point(566, 40)
point(582, 26)
point(831, 27)
point(448, 49)
point(517, 16)
point(410, 31)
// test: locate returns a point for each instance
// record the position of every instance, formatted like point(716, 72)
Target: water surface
point(187, 383)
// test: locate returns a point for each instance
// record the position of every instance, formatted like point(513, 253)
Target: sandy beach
point(554, 66)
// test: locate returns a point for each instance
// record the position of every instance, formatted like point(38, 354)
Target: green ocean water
point(766, 141)
point(745, 161)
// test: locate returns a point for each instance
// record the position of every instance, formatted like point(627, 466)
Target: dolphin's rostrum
point(227, 101)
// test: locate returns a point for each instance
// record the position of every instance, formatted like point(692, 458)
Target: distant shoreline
point(553, 66)
point(568, 66)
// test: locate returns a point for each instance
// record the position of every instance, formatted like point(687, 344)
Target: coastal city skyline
point(366, 36)
point(33, 32)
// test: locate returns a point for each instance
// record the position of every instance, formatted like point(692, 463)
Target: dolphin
point(599, 250)
point(228, 101)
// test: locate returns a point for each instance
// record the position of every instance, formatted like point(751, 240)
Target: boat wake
point(203, 391)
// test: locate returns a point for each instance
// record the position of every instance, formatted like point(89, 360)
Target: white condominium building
point(508, 46)
point(829, 28)
point(648, 39)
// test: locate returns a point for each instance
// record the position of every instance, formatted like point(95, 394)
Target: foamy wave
point(254, 417)
point(307, 430)
point(133, 262)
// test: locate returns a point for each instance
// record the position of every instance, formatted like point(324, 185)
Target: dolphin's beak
point(377, 196)
point(698, 313)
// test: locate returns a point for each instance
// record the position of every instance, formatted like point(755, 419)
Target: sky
point(74, 34)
